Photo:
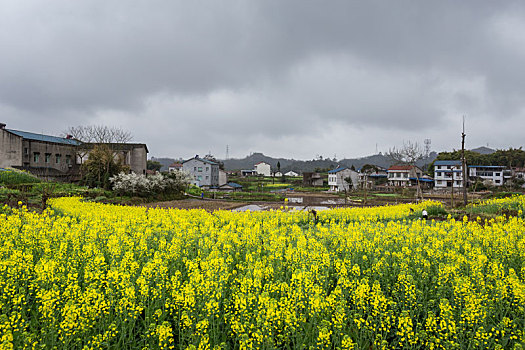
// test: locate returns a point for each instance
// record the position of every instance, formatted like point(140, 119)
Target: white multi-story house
point(263, 168)
point(493, 173)
point(448, 174)
point(204, 171)
point(337, 179)
point(403, 175)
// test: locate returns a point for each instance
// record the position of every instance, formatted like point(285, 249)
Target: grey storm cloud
point(263, 74)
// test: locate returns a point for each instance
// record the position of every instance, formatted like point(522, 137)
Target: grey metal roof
point(44, 138)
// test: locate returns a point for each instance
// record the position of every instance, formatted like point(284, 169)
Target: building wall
point(223, 177)
point(60, 157)
point(138, 159)
point(10, 149)
point(263, 169)
point(337, 182)
point(205, 174)
point(487, 173)
point(448, 176)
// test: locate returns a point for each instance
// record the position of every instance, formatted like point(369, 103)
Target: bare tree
point(409, 154)
point(91, 135)
point(99, 134)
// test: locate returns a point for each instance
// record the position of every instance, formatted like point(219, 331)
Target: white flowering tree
point(142, 185)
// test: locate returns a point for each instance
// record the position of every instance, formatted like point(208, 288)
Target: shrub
point(143, 186)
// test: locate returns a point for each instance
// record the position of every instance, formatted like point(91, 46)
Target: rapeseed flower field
point(84, 275)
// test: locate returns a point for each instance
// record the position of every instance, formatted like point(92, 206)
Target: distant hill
point(483, 150)
point(166, 162)
point(311, 165)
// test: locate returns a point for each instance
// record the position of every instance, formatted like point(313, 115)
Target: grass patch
point(16, 177)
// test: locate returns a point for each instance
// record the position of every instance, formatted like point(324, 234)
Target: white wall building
point(263, 168)
point(493, 173)
point(448, 174)
point(403, 175)
point(337, 182)
point(204, 171)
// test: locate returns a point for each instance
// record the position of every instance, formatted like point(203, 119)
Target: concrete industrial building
point(59, 158)
point(46, 156)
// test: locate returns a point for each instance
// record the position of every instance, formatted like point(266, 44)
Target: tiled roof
point(44, 138)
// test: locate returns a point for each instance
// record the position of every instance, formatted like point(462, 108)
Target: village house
point(343, 179)
point(249, 172)
point(372, 176)
point(404, 175)
point(448, 174)
point(176, 166)
point(205, 172)
point(230, 187)
point(291, 173)
point(311, 179)
point(263, 168)
point(494, 174)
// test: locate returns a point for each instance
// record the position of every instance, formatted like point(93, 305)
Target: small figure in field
point(202, 195)
point(314, 213)
point(424, 214)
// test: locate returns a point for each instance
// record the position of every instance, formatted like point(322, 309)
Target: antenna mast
point(428, 142)
point(227, 151)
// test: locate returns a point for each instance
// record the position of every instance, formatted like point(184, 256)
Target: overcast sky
point(286, 78)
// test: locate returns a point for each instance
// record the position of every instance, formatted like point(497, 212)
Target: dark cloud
point(294, 78)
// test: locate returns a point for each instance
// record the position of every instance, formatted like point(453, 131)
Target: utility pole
point(464, 164)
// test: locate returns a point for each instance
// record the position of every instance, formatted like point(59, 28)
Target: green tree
point(101, 165)
point(153, 165)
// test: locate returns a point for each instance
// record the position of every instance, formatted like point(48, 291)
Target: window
point(497, 174)
point(48, 157)
point(207, 177)
point(26, 151)
point(207, 169)
point(57, 158)
point(200, 169)
point(68, 159)
point(36, 157)
point(199, 178)
point(194, 168)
